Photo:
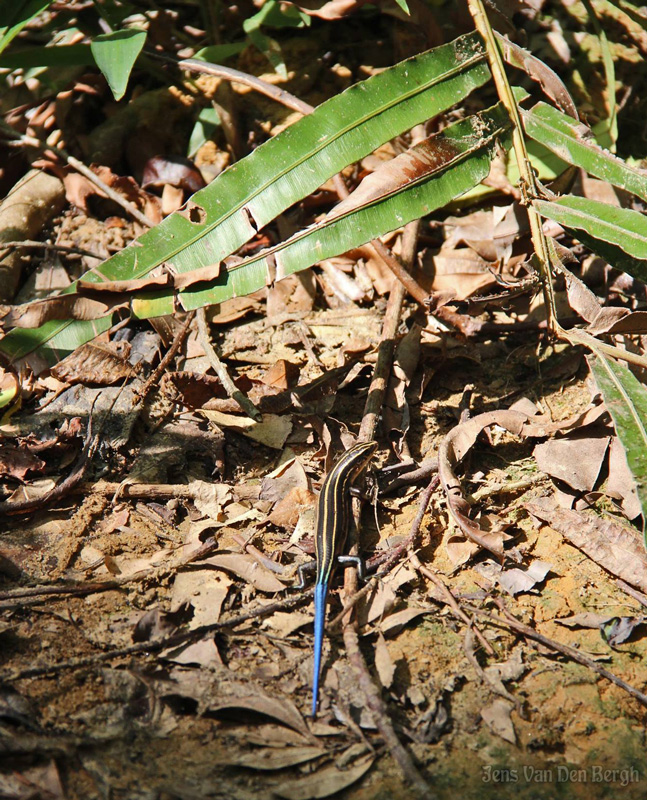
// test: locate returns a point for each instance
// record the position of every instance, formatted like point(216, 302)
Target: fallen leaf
point(210, 498)
point(497, 717)
point(16, 462)
point(287, 511)
point(325, 782)
point(247, 568)
point(619, 629)
point(383, 662)
point(285, 624)
point(279, 708)
point(102, 363)
point(615, 547)
point(205, 589)
point(271, 432)
point(395, 622)
point(202, 654)
point(272, 758)
point(576, 459)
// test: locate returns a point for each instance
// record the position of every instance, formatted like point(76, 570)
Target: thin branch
point(61, 248)
point(221, 371)
point(156, 375)
point(511, 623)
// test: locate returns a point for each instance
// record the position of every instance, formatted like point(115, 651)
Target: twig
point(511, 622)
point(221, 371)
point(79, 166)
point(236, 76)
point(380, 716)
point(28, 243)
point(168, 357)
point(393, 263)
point(386, 349)
point(422, 473)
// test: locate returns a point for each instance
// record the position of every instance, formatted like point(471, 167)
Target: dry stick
point(75, 251)
point(571, 652)
point(113, 583)
point(168, 357)
point(367, 430)
point(393, 263)
point(235, 76)
point(79, 166)
point(175, 640)
point(451, 601)
point(221, 371)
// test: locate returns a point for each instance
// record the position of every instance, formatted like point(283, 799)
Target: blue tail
point(321, 591)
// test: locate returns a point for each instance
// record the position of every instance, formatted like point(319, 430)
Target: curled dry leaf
point(286, 512)
point(453, 449)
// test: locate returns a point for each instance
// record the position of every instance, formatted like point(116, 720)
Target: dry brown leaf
point(576, 458)
point(247, 568)
point(615, 547)
point(269, 735)
point(491, 234)
point(16, 462)
point(271, 432)
point(514, 580)
point(282, 375)
point(289, 475)
point(497, 717)
point(205, 589)
point(383, 662)
point(621, 484)
point(102, 363)
point(286, 512)
point(278, 708)
point(453, 449)
point(325, 782)
point(211, 498)
point(285, 624)
point(203, 654)
point(395, 622)
point(272, 758)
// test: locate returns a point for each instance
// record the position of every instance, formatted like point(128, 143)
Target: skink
point(333, 518)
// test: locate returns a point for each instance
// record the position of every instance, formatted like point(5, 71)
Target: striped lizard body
point(333, 519)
